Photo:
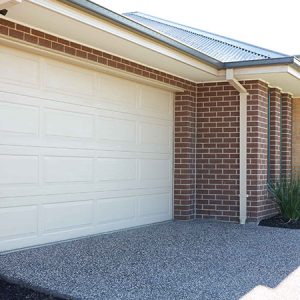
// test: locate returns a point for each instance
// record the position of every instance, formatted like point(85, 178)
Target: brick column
point(296, 136)
point(184, 156)
point(218, 152)
point(275, 128)
point(217, 147)
point(286, 143)
point(259, 204)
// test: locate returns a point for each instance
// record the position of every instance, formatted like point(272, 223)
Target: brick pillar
point(217, 152)
point(184, 156)
point(286, 143)
point(275, 128)
point(259, 204)
point(296, 136)
point(217, 147)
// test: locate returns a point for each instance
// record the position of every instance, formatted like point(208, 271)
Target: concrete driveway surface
point(173, 260)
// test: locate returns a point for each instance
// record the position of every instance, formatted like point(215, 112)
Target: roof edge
point(222, 37)
point(100, 11)
point(288, 60)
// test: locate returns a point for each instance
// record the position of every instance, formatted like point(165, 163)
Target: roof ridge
point(209, 35)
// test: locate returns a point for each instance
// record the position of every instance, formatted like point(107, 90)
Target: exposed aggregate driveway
point(173, 260)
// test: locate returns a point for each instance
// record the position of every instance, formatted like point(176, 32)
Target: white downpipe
point(243, 157)
point(243, 143)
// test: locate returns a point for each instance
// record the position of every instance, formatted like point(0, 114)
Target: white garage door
point(81, 152)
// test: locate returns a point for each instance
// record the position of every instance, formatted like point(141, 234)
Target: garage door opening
point(81, 152)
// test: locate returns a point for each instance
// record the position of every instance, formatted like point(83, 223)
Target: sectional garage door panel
point(81, 152)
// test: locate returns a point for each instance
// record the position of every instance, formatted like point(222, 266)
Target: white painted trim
point(243, 158)
point(294, 72)
point(96, 48)
point(244, 79)
point(84, 18)
point(22, 45)
point(260, 70)
point(234, 82)
point(243, 143)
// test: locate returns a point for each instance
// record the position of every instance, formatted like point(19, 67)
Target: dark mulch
point(10, 291)
point(279, 221)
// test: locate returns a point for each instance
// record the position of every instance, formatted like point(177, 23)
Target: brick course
point(206, 138)
point(36, 37)
point(275, 133)
point(218, 152)
point(296, 137)
point(259, 204)
point(286, 151)
point(184, 158)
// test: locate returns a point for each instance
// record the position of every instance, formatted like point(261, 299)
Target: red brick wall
point(275, 145)
point(286, 151)
point(206, 139)
point(44, 40)
point(275, 133)
point(218, 152)
point(259, 203)
point(184, 147)
point(296, 137)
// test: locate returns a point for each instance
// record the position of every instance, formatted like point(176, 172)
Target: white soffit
point(283, 76)
point(69, 23)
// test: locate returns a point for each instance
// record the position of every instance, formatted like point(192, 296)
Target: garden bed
point(279, 221)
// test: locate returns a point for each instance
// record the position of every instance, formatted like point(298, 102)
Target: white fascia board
point(249, 73)
point(108, 27)
point(294, 72)
point(261, 70)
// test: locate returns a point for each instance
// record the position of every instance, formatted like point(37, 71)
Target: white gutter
point(243, 143)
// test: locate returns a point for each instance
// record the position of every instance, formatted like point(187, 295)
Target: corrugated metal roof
point(216, 46)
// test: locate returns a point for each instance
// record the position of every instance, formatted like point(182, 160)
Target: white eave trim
point(261, 70)
point(22, 45)
point(115, 30)
point(294, 72)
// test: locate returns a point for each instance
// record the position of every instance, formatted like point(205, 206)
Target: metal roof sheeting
point(216, 46)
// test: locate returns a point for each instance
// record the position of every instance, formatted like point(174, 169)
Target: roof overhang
point(89, 24)
point(80, 26)
point(284, 76)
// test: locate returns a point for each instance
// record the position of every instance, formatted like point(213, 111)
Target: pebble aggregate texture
point(174, 260)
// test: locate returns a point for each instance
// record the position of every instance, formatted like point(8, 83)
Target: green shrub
point(286, 194)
